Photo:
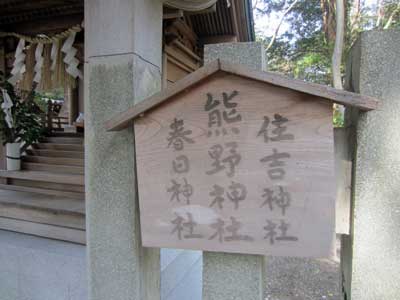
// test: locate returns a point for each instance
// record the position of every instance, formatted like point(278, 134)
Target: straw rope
point(44, 39)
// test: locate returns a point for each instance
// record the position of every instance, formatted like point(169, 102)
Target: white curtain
point(190, 5)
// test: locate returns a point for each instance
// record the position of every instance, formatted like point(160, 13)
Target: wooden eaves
point(122, 120)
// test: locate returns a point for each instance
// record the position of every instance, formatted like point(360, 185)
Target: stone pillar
point(122, 67)
point(234, 276)
point(249, 54)
point(375, 71)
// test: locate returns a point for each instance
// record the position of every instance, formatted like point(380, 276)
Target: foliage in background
point(300, 51)
point(303, 47)
point(41, 98)
point(28, 119)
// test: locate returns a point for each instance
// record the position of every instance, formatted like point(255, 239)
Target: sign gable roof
point(122, 120)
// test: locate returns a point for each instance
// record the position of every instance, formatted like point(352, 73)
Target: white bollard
point(13, 151)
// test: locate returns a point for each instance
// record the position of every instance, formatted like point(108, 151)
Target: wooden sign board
point(238, 165)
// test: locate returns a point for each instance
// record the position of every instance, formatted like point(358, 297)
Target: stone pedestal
point(250, 54)
point(234, 276)
point(123, 66)
point(375, 261)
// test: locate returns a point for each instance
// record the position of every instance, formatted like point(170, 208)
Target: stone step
point(62, 233)
point(66, 134)
point(53, 168)
point(62, 187)
point(54, 160)
point(56, 153)
point(39, 208)
point(48, 216)
point(63, 140)
point(61, 147)
point(57, 122)
point(43, 191)
point(71, 179)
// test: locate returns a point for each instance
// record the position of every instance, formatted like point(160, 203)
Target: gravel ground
point(302, 279)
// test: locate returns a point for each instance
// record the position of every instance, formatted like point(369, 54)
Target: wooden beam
point(219, 39)
point(234, 18)
point(338, 96)
point(179, 64)
point(184, 29)
point(164, 70)
point(182, 57)
point(18, 16)
point(185, 49)
point(240, 8)
point(47, 26)
point(173, 15)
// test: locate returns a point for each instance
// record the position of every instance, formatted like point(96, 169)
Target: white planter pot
point(13, 156)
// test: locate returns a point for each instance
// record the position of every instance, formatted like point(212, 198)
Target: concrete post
point(122, 66)
point(234, 276)
point(376, 213)
point(249, 54)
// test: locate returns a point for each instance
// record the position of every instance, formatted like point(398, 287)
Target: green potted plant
point(20, 124)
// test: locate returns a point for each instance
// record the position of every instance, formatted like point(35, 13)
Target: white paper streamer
point(69, 58)
point(39, 63)
point(54, 53)
point(6, 107)
point(19, 63)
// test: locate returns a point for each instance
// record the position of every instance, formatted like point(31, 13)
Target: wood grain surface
point(303, 226)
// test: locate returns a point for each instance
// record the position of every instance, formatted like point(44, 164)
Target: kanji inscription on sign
point(237, 165)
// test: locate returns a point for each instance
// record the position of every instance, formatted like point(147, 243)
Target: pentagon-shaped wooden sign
point(233, 163)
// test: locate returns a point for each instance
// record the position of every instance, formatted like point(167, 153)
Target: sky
point(265, 25)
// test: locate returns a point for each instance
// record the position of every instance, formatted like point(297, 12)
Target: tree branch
point(280, 23)
point(355, 15)
point(390, 20)
point(255, 3)
point(339, 41)
point(380, 13)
